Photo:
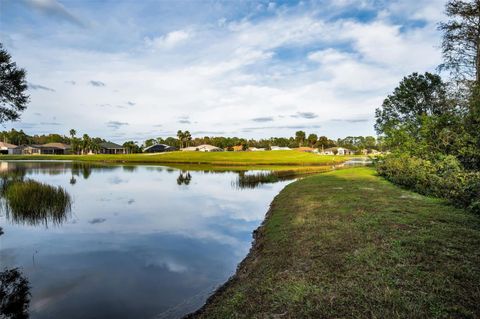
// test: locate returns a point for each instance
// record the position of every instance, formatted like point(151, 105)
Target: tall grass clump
point(34, 203)
point(443, 178)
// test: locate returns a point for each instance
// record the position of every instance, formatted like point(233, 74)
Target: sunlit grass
point(213, 158)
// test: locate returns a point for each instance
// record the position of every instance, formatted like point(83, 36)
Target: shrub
point(443, 178)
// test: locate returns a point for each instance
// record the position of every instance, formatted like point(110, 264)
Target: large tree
point(461, 39)
point(300, 137)
point(419, 117)
point(13, 87)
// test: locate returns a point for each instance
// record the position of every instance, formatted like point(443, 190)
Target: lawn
point(213, 158)
point(348, 244)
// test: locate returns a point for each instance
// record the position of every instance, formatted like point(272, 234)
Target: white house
point(202, 148)
point(255, 149)
point(279, 148)
point(337, 151)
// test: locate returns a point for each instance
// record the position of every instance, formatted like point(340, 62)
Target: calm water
point(138, 241)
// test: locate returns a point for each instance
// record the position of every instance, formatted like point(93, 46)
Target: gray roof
point(110, 145)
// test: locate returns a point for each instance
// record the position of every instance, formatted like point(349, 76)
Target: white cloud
point(225, 74)
point(167, 41)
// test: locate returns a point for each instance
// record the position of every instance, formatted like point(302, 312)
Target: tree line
point(432, 124)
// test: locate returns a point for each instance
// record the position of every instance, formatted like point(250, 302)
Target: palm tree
point(187, 137)
point(73, 140)
point(86, 143)
point(181, 137)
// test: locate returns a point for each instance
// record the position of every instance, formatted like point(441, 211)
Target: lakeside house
point(337, 151)
point(159, 148)
point(280, 148)
point(7, 148)
point(44, 149)
point(202, 148)
point(111, 148)
point(255, 149)
point(307, 149)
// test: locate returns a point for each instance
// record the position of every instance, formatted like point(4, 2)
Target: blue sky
point(132, 70)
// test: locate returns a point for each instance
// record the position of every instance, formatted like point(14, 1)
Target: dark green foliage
point(419, 117)
point(14, 295)
point(300, 138)
point(13, 85)
point(443, 178)
point(132, 147)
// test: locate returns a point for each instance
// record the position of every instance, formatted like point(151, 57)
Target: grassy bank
point(214, 158)
point(348, 244)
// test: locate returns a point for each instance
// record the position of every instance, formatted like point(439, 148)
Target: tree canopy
point(13, 87)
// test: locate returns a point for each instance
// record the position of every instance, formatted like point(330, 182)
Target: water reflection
point(134, 244)
point(184, 178)
point(14, 293)
point(255, 179)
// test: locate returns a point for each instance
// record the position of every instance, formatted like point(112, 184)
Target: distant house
point(27, 150)
point(159, 148)
point(280, 148)
point(44, 149)
point(6, 148)
point(202, 148)
point(307, 149)
point(55, 148)
point(254, 149)
point(338, 151)
point(111, 148)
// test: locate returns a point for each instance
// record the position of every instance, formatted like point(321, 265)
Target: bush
point(443, 178)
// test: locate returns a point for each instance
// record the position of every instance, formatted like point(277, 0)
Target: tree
point(187, 138)
point(150, 142)
point(325, 142)
point(418, 118)
point(300, 137)
point(181, 137)
point(312, 139)
point(132, 147)
point(461, 39)
point(417, 95)
point(13, 85)
point(86, 143)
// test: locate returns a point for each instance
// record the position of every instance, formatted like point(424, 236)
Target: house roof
point(201, 147)
point(110, 145)
point(7, 145)
point(164, 146)
point(56, 145)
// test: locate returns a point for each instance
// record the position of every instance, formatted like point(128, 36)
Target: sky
point(133, 70)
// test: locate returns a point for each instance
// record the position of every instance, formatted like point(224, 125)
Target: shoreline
point(334, 259)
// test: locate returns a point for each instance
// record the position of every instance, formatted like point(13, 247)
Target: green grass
point(214, 158)
point(348, 244)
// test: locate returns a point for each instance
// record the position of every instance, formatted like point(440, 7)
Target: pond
point(113, 241)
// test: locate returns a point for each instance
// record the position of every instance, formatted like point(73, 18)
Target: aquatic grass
point(253, 180)
point(34, 203)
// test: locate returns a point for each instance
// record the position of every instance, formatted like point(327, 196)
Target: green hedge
point(443, 178)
